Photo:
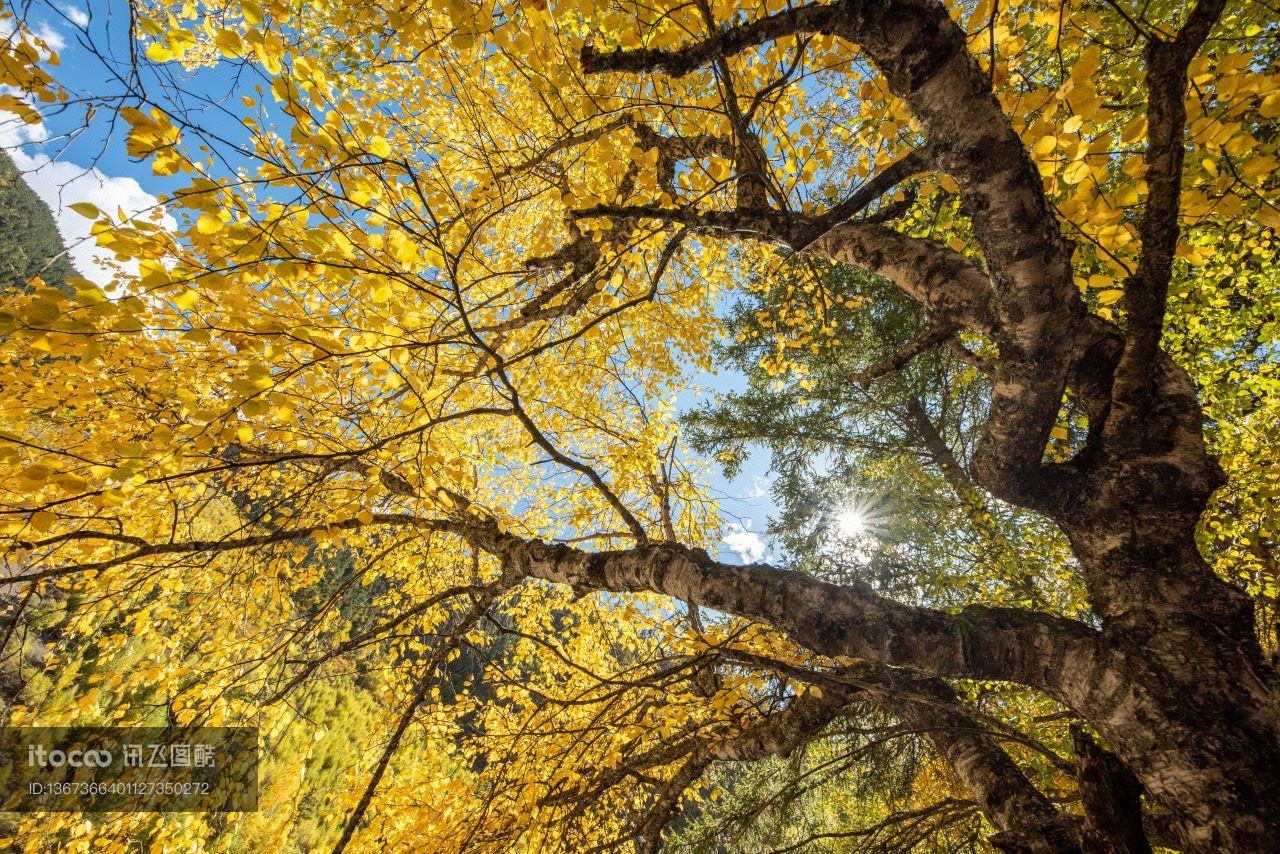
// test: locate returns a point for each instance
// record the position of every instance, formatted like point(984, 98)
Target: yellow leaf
point(1258, 166)
point(1109, 297)
point(1087, 65)
point(270, 54)
point(229, 43)
point(252, 12)
point(1135, 128)
point(86, 210)
point(1076, 172)
point(1045, 145)
point(1127, 195)
point(208, 224)
point(186, 299)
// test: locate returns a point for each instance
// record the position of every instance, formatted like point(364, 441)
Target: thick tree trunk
point(1180, 686)
point(1187, 701)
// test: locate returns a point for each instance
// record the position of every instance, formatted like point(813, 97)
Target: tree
point(433, 291)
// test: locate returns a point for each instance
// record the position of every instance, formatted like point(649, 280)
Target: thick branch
point(781, 733)
point(1026, 819)
point(924, 58)
point(979, 642)
point(762, 223)
point(931, 337)
point(807, 19)
point(882, 182)
point(939, 451)
point(1147, 290)
point(947, 283)
point(1112, 798)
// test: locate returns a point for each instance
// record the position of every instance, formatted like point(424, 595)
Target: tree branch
point(1112, 798)
point(479, 608)
point(1027, 647)
point(678, 63)
point(231, 544)
point(931, 708)
point(946, 282)
point(931, 337)
point(882, 182)
point(1026, 819)
point(1147, 290)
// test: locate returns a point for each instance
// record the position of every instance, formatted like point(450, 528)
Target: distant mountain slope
point(29, 241)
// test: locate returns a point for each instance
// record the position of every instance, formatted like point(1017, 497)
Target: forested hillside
point(29, 242)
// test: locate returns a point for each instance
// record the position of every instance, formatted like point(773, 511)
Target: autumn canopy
point(379, 436)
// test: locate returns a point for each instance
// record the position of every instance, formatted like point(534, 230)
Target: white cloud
point(759, 489)
point(61, 184)
point(746, 544)
point(76, 15)
point(52, 39)
point(15, 132)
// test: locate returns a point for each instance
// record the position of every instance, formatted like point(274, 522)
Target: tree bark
point(1027, 822)
point(1112, 799)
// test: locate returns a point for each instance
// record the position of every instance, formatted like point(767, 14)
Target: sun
point(851, 522)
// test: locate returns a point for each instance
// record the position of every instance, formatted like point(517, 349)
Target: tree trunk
point(1187, 701)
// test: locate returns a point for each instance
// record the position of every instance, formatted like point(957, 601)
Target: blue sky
point(69, 160)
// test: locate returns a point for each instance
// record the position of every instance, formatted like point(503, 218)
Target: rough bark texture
point(1112, 799)
point(978, 642)
point(1026, 820)
point(1024, 817)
